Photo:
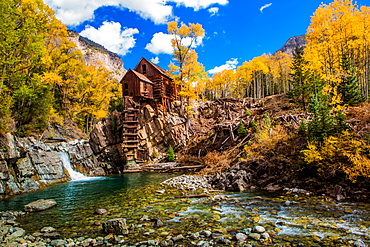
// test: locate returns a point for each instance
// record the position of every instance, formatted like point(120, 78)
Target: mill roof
point(159, 69)
point(141, 76)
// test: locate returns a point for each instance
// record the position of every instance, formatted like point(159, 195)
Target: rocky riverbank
point(186, 225)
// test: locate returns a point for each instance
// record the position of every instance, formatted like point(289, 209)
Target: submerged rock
point(58, 242)
point(240, 237)
point(157, 222)
point(258, 229)
point(116, 226)
point(48, 229)
point(40, 205)
point(101, 211)
point(359, 243)
point(51, 235)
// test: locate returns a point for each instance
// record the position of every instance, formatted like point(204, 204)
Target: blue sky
point(236, 30)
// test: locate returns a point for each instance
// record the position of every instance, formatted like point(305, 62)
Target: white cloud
point(155, 60)
point(199, 4)
point(231, 64)
point(161, 43)
point(265, 6)
point(74, 12)
point(111, 36)
point(213, 10)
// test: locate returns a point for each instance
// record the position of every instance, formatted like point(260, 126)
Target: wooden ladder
point(130, 138)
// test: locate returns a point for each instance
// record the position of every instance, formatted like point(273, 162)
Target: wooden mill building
point(151, 84)
point(147, 83)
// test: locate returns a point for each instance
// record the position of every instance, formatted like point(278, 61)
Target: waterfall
point(75, 176)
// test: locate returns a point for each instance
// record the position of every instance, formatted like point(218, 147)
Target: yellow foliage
point(216, 162)
point(266, 140)
point(340, 27)
point(344, 152)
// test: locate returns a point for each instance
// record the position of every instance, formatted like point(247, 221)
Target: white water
point(75, 176)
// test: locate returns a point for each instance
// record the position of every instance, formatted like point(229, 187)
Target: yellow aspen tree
point(337, 29)
point(184, 39)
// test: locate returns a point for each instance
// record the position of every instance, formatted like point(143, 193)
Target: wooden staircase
point(130, 137)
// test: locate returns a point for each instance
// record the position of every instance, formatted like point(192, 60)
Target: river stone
point(255, 236)
point(258, 229)
point(265, 235)
point(40, 205)
point(101, 211)
point(58, 242)
point(178, 238)
point(17, 234)
point(359, 243)
point(206, 233)
point(157, 222)
point(240, 237)
point(51, 235)
point(145, 218)
point(116, 226)
point(48, 229)
point(166, 243)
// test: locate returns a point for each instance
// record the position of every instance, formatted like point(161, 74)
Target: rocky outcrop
point(156, 132)
point(95, 53)
point(290, 46)
point(27, 164)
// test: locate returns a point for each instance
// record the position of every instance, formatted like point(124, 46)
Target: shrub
point(171, 155)
point(216, 162)
point(242, 131)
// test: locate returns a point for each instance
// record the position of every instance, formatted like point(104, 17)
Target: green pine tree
point(301, 80)
point(322, 123)
point(348, 87)
point(325, 120)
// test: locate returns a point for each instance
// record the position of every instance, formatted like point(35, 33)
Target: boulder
point(116, 226)
point(258, 229)
point(40, 205)
point(359, 243)
point(58, 242)
point(240, 237)
point(101, 211)
point(157, 222)
point(255, 236)
point(48, 229)
point(51, 235)
point(19, 232)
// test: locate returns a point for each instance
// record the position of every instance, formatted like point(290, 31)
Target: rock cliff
point(95, 53)
point(157, 132)
point(27, 164)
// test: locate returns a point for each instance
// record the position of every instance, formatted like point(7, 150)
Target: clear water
point(308, 220)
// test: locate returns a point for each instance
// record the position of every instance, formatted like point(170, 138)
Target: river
point(293, 218)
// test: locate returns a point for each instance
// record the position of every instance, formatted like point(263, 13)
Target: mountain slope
point(292, 43)
point(94, 52)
